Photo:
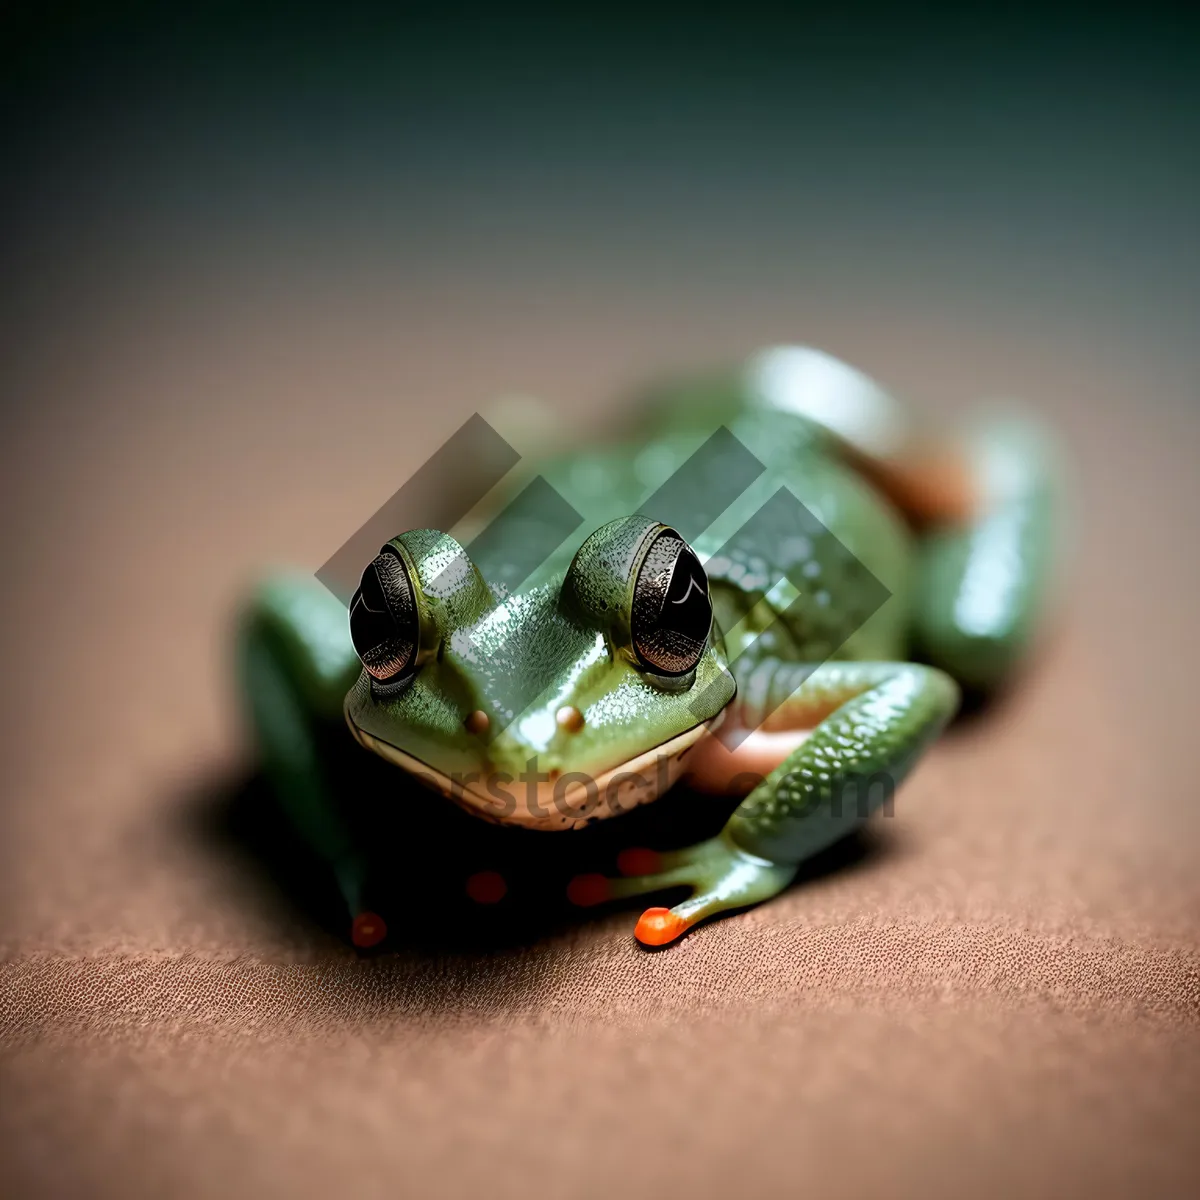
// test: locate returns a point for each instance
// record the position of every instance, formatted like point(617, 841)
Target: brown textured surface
point(1004, 994)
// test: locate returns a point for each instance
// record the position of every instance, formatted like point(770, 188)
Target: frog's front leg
point(866, 723)
point(296, 663)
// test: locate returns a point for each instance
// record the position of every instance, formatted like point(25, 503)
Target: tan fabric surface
point(999, 991)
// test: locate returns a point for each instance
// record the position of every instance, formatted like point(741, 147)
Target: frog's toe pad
point(368, 929)
point(658, 926)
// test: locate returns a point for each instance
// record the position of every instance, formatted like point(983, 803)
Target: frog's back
point(826, 547)
point(812, 521)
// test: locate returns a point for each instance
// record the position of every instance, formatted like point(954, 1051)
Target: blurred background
point(258, 264)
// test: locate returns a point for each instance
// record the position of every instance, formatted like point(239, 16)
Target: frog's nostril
point(569, 718)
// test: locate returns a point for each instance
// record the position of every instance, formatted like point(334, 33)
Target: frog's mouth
point(537, 800)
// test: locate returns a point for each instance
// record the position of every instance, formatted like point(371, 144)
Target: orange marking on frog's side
point(588, 890)
point(487, 887)
point(639, 861)
point(716, 769)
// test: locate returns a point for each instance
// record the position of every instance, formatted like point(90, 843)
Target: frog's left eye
point(672, 610)
point(384, 625)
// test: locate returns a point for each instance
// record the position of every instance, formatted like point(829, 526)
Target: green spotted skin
point(881, 718)
point(837, 623)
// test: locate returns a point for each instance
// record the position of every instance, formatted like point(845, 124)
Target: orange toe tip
point(637, 861)
point(658, 926)
point(588, 890)
point(368, 929)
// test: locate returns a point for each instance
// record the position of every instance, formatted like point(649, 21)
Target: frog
point(792, 630)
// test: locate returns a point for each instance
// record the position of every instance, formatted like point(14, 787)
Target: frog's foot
point(367, 927)
point(721, 877)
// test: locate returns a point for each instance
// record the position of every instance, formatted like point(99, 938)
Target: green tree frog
point(801, 651)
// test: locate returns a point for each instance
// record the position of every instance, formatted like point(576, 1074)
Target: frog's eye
point(383, 618)
point(672, 610)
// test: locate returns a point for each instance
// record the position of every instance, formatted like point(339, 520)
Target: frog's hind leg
point(296, 663)
point(982, 581)
point(869, 724)
point(986, 513)
point(982, 499)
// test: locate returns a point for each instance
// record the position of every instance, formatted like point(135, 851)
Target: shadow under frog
point(490, 888)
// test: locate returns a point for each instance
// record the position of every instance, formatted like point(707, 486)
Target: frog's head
point(577, 696)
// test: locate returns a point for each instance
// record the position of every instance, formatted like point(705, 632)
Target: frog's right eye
point(384, 625)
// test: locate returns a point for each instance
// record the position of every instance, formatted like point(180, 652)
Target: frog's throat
point(569, 802)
